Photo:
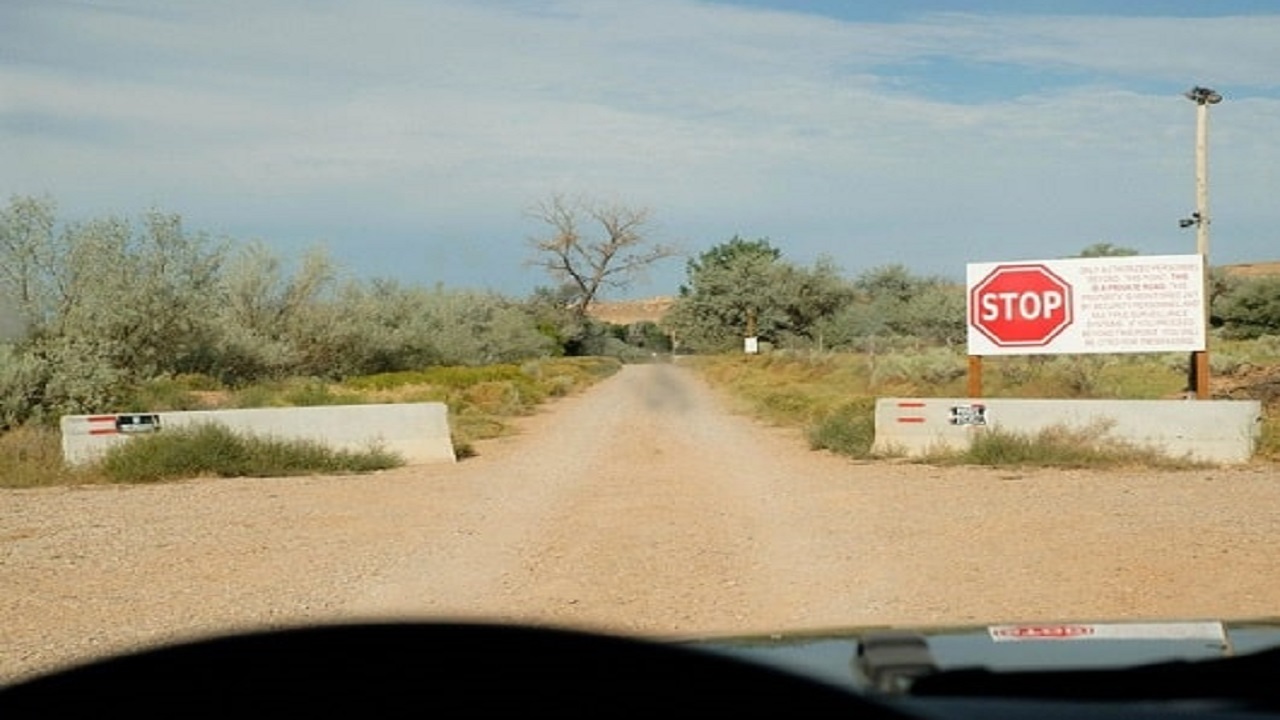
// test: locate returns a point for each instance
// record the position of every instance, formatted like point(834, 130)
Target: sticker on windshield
point(1110, 631)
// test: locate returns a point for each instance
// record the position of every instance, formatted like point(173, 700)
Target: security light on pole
point(1203, 97)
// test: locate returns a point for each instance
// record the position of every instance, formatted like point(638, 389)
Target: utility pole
point(1203, 97)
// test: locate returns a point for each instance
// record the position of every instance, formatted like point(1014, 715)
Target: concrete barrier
point(1217, 431)
point(418, 432)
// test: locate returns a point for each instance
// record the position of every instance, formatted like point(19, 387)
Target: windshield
point(683, 320)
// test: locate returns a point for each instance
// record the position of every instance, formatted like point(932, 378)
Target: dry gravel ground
point(643, 506)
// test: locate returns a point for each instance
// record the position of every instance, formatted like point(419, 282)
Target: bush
point(451, 377)
point(171, 393)
point(1057, 446)
point(215, 450)
point(314, 392)
point(848, 430)
point(32, 457)
point(1268, 446)
point(1251, 309)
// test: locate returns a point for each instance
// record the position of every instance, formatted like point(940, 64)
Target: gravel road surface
point(643, 506)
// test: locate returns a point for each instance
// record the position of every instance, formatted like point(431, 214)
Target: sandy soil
point(644, 507)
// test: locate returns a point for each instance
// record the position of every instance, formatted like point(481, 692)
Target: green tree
point(105, 304)
point(730, 288)
point(743, 287)
point(29, 256)
point(648, 336)
point(1251, 308)
point(936, 314)
point(888, 284)
point(930, 308)
point(811, 295)
point(268, 318)
point(1106, 249)
point(384, 326)
point(480, 328)
point(94, 309)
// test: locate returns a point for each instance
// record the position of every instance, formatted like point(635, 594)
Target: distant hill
point(1253, 269)
point(626, 312)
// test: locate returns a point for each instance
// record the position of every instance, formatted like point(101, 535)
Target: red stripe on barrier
point(102, 418)
point(910, 419)
point(915, 404)
point(111, 431)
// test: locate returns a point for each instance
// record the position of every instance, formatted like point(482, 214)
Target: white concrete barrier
point(1218, 431)
point(418, 432)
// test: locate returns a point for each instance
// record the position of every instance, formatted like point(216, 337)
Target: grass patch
point(483, 399)
point(1058, 446)
point(448, 377)
point(850, 429)
point(1268, 447)
point(166, 393)
point(294, 392)
point(1131, 377)
point(215, 450)
point(31, 456)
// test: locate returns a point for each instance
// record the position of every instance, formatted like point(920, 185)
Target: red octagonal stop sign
point(1020, 305)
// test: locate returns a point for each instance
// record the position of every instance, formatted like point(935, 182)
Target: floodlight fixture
point(1203, 96)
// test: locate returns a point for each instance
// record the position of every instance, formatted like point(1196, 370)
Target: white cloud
point(432, 117)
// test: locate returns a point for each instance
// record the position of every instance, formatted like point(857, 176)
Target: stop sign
point(1020, 305)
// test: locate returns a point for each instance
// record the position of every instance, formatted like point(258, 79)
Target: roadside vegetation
point(482, 401)
point(831, 396)
point(215, 450)
point(110, 315)
point(1058, 446)
point(831, 345)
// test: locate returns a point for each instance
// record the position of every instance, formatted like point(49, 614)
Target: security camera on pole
point(1203, 97)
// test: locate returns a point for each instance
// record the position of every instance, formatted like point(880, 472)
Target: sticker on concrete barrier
point(125, 424)
point(968, 415)
point(137, 423)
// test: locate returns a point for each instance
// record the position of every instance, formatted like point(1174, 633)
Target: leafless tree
point(594, 245)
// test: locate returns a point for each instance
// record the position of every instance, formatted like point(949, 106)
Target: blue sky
point(411, 137)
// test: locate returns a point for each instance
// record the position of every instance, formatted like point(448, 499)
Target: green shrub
point(1057, 446)
point(168, 393)
point(255, 396)
point(1267, 349)
point(1268, 447)
point(501, 397)
point(314, 392)
point(295, 392)
point(937, 366)
point(215, 450)
point(31, 456)
point(784, 406)
point(1225, 364)
point(924, 369)
point(450, 377)
point(848, 430)
point(1079, 375)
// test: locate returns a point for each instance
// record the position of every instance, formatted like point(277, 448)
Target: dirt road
point(642, 506)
